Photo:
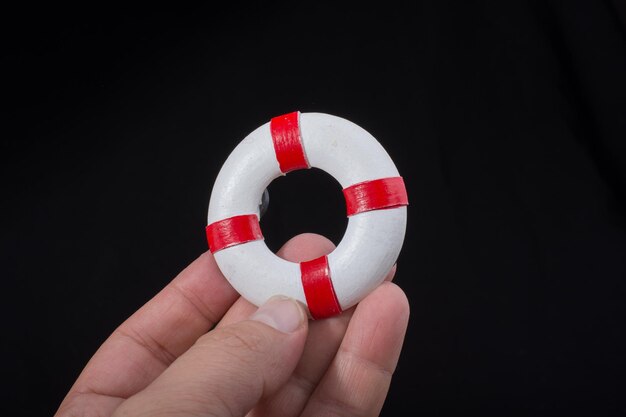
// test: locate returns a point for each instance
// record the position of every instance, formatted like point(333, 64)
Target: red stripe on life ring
point(233, 231)
point(285, 131)
point(377, 194)
point(318, 288)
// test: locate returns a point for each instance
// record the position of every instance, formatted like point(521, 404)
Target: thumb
point(228, 370)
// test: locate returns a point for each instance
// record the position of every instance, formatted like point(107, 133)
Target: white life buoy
point(376, 201)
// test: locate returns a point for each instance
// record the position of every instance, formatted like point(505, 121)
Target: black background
point(507, 121)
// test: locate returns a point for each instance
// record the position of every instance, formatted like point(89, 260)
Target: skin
point(198, 349)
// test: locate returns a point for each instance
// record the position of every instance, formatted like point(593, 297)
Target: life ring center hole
point(304, 201)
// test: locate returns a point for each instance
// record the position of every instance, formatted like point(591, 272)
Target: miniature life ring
point(376, 201)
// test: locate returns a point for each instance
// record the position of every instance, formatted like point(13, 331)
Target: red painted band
point(318, 288)
point(285, 132)
point(233, 231)
point(377, 194)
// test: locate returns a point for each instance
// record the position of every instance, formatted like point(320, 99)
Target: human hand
point(197, 348)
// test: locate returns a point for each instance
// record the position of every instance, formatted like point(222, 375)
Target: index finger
point(160, 331)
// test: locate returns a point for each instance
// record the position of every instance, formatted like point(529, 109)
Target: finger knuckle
point(241, 339)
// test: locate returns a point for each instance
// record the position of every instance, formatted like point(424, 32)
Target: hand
point(197, 348)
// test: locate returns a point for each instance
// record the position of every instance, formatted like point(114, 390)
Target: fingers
point(229, 369)
point(358, 379)
point(305, 246)
point(322, 343)
point(302, 247)
point(142, 347)
point(149, 341)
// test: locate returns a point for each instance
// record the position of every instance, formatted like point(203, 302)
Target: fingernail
point(280, 312)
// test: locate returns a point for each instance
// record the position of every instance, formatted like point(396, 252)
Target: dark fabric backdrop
point(507, 120)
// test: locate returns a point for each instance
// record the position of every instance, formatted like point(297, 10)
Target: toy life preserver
point(375, 197)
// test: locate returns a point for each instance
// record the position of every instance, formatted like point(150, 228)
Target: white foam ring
point(372, 241)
